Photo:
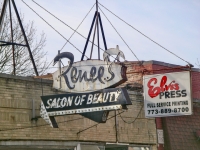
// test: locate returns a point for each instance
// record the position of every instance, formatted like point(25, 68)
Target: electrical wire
point(71, 34)
point(71, 28)
point(134, 119)
point(120, 36)
point(53, 28)
point(99, 123)
point(75, 29)
point(145, 35)
point(1, 130)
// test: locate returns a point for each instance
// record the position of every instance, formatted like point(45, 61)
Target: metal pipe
point(116, 128)
point(102, 31)
point(88, 36)
point(9, 43)
point(13, 47)
point(3, 10)
point(59, 65)
point(93, 40)
point(97, 30)
point(33, 108)
point(25, 38)
point(158, 122)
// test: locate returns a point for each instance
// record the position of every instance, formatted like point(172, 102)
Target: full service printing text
point(167, 104)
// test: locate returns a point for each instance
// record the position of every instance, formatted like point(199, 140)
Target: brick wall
point(180, 132)
point(16, 97)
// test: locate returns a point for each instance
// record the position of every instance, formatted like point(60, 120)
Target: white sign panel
point(167, 94)
point(160, 136)
point(89, 75)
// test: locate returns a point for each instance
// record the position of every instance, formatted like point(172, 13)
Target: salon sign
point(89, 75)
point(90, 87)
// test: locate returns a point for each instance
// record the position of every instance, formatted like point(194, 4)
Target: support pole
point(98, 21)
point(93, 41)
point(88, 37)
point(59, 66)
point(116, 126)
point(3, 11)
point(25, 38)
point(33, 108)
point(102, 31)
point(13, 47)
point(97, 29)
point(159, 126)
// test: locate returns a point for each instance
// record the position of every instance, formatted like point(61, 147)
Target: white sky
point(173, 24)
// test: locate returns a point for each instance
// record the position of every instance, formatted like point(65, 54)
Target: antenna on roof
point(97, 21)
point(6, 43)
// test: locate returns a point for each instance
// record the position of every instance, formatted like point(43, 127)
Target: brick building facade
point(22, 127)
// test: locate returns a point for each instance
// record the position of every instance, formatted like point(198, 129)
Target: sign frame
point(89, 75)
point(170, 106)
point(100, 101)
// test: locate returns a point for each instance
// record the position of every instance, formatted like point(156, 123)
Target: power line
point(39, 125)
point(53, 27)
point(99, 123)
point(55, 16)
point(71, 34)
point(62, 21)
point(1, 130)
point(134, 119)
point(70, 28)
point(145, 35)
point(120, 35)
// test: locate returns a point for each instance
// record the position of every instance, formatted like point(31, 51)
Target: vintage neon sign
point(90, 88)
point(89, 75)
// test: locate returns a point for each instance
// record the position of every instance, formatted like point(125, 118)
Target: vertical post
point(3, 11)
point(116, 128)
point(102, 31)
point(13, 47)
point(93, 41)
point(97, 29)
point(33, 110)
point(159, 126)
point(25, 38)
point(42, 86)
point(59, 66)
point(88, 36)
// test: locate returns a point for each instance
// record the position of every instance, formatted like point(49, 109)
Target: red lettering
point(162, 83)
point(155, 91)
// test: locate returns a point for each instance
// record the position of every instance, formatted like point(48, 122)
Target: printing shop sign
point(167, 94)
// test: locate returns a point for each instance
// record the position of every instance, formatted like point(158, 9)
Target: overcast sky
point(174, 24)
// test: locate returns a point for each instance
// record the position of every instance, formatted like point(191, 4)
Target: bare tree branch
point(23, 62)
